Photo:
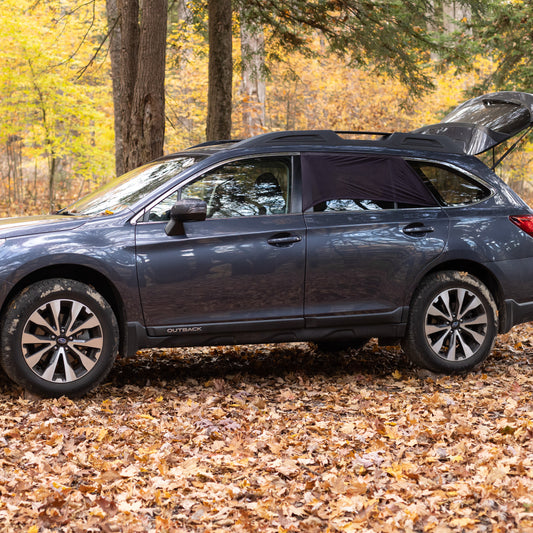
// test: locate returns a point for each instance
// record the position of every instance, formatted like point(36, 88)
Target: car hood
point(15, 227)
point(484, 122)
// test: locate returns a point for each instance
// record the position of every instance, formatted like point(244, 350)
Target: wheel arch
point(485, 276)
point(82, 274)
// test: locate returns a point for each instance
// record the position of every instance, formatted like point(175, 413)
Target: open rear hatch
point(486, 121)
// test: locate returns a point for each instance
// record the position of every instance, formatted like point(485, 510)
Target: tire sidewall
point(14, 321)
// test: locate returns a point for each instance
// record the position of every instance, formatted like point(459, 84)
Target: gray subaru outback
point(287, 236)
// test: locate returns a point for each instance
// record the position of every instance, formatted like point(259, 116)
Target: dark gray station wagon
point(288, 236)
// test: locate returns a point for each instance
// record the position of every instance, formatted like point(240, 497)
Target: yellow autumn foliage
point(57, 111)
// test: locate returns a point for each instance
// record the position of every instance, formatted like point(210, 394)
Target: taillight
point(524, 222)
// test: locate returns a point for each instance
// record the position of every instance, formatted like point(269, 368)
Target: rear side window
point(355, 182)
point(451, 187)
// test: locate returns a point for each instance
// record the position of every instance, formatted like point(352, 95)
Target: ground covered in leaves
point(276, 438)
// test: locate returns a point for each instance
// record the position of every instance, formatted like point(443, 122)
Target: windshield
point(124, 191)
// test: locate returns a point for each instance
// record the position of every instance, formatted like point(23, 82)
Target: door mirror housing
point(186, 210)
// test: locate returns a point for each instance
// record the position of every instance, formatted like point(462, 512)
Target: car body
point(287, 236)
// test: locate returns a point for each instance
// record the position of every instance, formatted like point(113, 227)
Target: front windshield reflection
point(126, 190)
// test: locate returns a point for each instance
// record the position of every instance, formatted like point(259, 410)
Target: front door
point(242, 268)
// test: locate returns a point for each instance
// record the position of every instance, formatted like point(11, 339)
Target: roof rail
point(438, 143)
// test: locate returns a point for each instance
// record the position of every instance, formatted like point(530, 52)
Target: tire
point(335, 346)
point(59, 337)
point(452, 323)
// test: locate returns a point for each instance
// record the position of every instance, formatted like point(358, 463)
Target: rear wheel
point(452, 323)
point(59, 337)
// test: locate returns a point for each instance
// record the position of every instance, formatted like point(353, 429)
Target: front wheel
point(59, 337)
point(452, 323)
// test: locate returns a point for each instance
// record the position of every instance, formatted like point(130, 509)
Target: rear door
point(372, 228)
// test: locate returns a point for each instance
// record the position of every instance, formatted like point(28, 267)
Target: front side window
point(451, 187)
point(250, 187)
point(359, 182)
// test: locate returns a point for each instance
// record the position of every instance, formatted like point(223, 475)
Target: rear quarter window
point(450, 186)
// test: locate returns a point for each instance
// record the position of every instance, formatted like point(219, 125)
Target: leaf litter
point(276, 438)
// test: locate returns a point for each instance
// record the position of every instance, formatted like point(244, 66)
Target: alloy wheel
point(62, 340)
point(456, 324)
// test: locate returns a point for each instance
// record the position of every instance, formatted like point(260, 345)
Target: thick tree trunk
point(141, 85)
point(147, 120)
point(219, 97)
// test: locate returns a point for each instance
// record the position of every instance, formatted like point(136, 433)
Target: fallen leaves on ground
point(276, 438)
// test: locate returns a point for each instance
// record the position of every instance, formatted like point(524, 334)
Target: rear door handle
point(284, 239)
point(417, 229)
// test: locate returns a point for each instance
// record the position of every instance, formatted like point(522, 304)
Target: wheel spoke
point(30, 338)
point(445, 297)
point(436, 328)
point(70, 375)
point(478, 320)
point(38, 320)
point(436, 312)
point(450, 354)
point(96, 342)
point(34, 358)
point(84, 360)
point(75, 309)
point(467, 351)
point(48, 374)
point(437, 345)
point(474, 304)
point(55, 306)
point(460, 295)
point(91, 322)
point(478, 337)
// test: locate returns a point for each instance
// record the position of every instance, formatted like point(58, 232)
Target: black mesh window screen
point(339, 181)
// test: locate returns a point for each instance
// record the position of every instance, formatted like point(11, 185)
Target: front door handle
point(284, 239)
point(417, 229)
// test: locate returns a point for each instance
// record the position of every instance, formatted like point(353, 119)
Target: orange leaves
point(284, 438)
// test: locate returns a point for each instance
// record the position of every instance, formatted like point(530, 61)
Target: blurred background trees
point(79, 82)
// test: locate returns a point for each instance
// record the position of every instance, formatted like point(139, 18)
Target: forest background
point(57, 130)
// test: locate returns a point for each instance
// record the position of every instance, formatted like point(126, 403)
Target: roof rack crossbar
point(347, 132)
point(213, 143)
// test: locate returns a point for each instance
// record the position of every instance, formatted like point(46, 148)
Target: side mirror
point(186, 210)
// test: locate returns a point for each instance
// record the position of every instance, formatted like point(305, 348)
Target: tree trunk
point(253, 83)
point(141, 81)
point(219, 97)
point(115, 47)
